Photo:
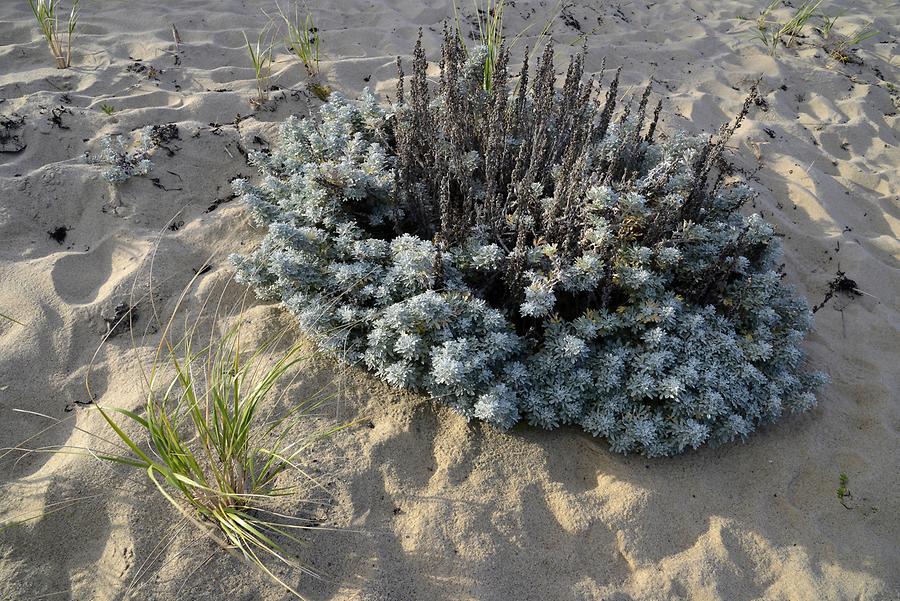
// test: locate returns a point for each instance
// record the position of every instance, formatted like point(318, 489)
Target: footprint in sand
point(82, 278)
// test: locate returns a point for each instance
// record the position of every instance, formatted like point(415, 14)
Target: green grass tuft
point(261, 59)
point(302, 38)
point(772, 33)
point(839, 47)
point(843, 491)
point(828, 22)
point(489, 18)
point(209, 451)
point(211, 442)
point(47, 14)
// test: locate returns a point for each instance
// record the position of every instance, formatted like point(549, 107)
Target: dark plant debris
point(162, 134)
point(148, 71)
point(10, 135)
point(123, 315)
point(841, 284)
point(76, 404)
point(58, 234)
point(218, 202)
point(56, 116)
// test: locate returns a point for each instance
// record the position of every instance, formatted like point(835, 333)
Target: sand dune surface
point(427, 506)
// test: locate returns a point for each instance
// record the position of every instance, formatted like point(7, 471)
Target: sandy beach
point(425, 505)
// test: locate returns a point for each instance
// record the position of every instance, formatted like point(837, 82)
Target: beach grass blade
point(47, 15)
point(261, 58)
point(302, 38)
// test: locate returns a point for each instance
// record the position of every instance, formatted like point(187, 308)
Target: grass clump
point(261, 59)
point(828, 23)
point(845, 497)
point(842, 490)
point(215, 441)
point(840, 47)
point(206, 447)
point(772, 33)
point(534, 255)
point(490, 36)
point(302, 38)
point(58, 34)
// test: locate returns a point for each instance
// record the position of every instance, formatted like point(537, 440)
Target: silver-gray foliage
point(526, 256)
point(124, 163)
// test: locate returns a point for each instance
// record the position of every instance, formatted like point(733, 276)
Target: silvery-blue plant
point(533, 254)
point(126, 159)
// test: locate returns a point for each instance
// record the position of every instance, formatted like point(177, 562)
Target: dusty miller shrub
point(534, 255)
point(122, 163)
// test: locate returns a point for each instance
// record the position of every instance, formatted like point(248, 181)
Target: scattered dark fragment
point(161, 134)
point(219, 201)
point(56, 116)
point(176, 225)
point(10, 138)
point(76, 404)
point(59, 234)
point(155, 181)
point(762, 103)
point(769, 132)
point(841, 284)
point(122, 316)
point(149, 71)
point(569, 19)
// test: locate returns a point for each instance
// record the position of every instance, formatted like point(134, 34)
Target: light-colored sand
point(441, 509)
